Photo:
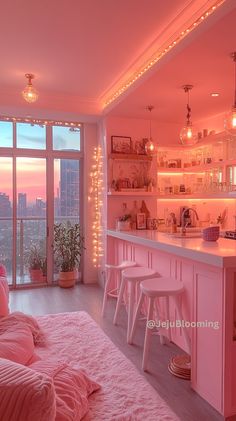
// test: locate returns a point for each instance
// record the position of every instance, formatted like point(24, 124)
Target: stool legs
point(148, 333)
point(135, 320)
point(119, 301)
point(106, 289)
point(131, 300)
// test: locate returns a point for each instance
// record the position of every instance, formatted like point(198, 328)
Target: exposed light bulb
point(150, 146)
point(30, 94)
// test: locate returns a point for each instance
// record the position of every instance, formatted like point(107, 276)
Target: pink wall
point(208, 209)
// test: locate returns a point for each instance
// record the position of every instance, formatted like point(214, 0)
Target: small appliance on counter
point(230, 234)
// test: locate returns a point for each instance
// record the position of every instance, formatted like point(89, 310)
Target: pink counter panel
point(209, 298)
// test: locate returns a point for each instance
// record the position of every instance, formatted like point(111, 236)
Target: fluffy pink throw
point(125, 395)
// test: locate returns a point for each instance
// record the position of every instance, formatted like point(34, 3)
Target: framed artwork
point(141, 221)
point(121, 144)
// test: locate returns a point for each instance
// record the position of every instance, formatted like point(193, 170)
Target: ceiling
point(82, 51)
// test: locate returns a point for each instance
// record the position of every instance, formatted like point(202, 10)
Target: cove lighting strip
point(159, 54)
point(41, 122)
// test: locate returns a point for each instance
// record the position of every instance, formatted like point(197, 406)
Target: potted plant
point(34, 263)
point(44, 268)
point(68, 248)
point(124, 223)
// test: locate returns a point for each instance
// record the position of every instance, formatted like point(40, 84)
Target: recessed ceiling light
point(215, 94)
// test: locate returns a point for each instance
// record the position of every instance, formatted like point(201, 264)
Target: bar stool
point(116, 271)
point(152, 289)
point(131, 277)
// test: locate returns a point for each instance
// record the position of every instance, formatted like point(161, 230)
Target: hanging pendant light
point(230, 119)
point(29, 93)
point(150, 146)
point(188, 134)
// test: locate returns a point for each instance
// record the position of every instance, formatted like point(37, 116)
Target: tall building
point(5, 205)
point(69, 187)
point(40, 207)
point(22, 204)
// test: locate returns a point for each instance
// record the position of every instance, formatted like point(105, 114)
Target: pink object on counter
point(211, 233)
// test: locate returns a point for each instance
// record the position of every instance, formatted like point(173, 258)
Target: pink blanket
point(125, 395)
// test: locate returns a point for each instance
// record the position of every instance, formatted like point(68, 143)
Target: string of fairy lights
point(96, 191)
point(160, 53)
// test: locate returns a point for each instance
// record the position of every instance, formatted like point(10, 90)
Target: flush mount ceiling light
point(230, 119)
point(150, 146)
point(188, 134)
point(29, 93)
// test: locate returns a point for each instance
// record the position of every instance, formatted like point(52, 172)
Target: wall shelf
point(197, 168)
point(132, 193)
point(131, 157)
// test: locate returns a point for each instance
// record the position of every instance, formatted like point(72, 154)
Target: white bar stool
point(116, 271)
point(152, 289)
point(130, 277)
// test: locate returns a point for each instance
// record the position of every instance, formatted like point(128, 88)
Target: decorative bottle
point(134, 212)
point(144, 209)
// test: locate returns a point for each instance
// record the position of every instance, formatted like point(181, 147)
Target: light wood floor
point(176, 392)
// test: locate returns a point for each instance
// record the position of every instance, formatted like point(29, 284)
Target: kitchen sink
point(187, 235)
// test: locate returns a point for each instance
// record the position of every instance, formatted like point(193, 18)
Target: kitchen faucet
point(183, 227)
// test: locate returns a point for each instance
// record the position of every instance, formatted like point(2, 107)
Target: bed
point(63, 367)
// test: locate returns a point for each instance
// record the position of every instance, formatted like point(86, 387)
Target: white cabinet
point(205, 170)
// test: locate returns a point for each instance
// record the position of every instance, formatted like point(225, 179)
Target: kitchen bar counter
point(220, 253)
point(208, 273)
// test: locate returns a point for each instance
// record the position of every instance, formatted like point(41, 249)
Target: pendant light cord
point(188, 116)
point(234, 59)
point(150, 108)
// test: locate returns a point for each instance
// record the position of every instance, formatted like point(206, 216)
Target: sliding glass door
point(40, 179)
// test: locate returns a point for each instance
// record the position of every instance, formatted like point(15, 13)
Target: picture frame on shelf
point(121, 144)
point(141, 221)
point(139, 146)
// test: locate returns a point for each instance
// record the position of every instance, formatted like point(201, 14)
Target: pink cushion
point(4, 296)
point(3, 271)
point(24, 394)
point(72, 388)
point(17, 344)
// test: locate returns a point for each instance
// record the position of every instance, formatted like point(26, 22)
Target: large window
point(40, 173)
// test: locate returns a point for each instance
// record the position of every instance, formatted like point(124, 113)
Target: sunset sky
point(31, 172)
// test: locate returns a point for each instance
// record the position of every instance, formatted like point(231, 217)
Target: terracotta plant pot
point(67, 279)
point(35, 275)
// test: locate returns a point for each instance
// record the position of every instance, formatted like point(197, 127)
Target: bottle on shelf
point(144, 209)
point(133, 213)
point(173, 223)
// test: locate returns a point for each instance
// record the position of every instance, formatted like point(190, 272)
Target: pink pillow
point(24, 394)
point(72, 388)
point(17, 344)
point(3, 271)
point(4, 296)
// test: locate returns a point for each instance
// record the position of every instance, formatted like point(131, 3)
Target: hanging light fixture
point(29, 93)
point(188, 134)
point(230, 119)
point(150, 146)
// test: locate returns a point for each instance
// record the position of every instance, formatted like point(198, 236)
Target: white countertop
point(220, 253)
